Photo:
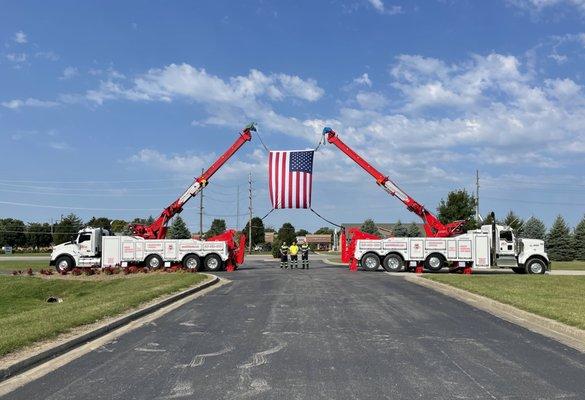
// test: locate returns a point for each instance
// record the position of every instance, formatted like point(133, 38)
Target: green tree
point(66, 229)
point(489, 219)
point(258, 231)
point(119, 225)
point(370, 227)
point(579, 240)
point(559, 243)
point(514, 222)
point(323, 231)
point(276, 248)
point(38, 235)
point(286, 233)
point(534, 228)
point(12, 232)
point(101, 222)
point(302, 232)
point(399, 229)
point(459, 206)
point(178, 229)
point(217, 226)
point(413, 230)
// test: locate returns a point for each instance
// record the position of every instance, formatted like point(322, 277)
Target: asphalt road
point(325, 333)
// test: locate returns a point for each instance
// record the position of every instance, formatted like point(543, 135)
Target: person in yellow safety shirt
point(294, 258)
point(284, 256)
point(305, 255)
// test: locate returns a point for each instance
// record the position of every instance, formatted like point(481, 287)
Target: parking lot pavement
point(325, 333)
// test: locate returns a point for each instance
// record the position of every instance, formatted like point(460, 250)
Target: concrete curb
point(568, 335)
point(46, 355)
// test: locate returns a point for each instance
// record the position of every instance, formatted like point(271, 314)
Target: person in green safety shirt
point(305, 255)
point(294, 258)
point(284, 255)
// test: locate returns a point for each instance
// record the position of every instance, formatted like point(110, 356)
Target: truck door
point(507, 244)
point(84, 243)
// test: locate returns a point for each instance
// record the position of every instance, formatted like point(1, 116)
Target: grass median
point(7, 266)
point(26, 317)
point(568, 265)
point(556, 297)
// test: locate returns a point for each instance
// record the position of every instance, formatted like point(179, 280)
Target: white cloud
point(371, 100)
point(20, 37)
point(383, 9)
point(30, 102)
point(47, 55)
point(184, 164)
point(363, 79)
point(540, 5)
point(16, 57)
point(69, 72)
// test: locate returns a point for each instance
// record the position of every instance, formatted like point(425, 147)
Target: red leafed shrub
point(76, 271)
point(131, 270)
point(46, 272)
point(16, 273)
point(145, 270)
point(30, 272)
point(88, 271)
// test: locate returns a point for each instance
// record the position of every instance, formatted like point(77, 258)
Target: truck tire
point(154, 261)
point(192, 262)
point(519, 270)
point(434, 262)
point(370, 262)
point(64, 264)
point(535, 266)
point(212, 262)
point(393, 263)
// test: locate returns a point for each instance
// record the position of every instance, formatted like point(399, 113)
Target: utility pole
point(250, 213)
point(238, 209)
point(201, 210)
point(477, 216)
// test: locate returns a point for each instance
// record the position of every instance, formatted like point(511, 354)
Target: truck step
point(507, 261)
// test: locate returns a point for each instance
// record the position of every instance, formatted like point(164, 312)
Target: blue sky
point(110, 108)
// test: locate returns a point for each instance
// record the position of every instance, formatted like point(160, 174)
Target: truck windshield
point(507, 236)
point(84, 237)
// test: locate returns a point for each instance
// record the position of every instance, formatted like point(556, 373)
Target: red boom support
point(158, 229)
point(433, 227)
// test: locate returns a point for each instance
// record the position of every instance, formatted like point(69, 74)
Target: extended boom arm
point(158, 229)
point(433, 227)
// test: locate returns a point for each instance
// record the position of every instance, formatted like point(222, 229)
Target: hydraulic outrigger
point(432, 226)
point(158, 229)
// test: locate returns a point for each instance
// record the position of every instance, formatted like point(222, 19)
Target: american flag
point(290, 178)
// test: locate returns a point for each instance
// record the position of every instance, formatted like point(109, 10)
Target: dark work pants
point(305, 260)
point(283, 261)
point(294, 261)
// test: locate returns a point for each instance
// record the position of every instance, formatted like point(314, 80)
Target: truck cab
point(83, 250)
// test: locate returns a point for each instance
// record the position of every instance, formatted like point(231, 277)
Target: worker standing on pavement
point(284, 255)
point(294, 258)
point(305, 255)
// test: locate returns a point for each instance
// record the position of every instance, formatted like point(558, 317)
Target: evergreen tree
point(66, 229)
point(218, 226)
point(286, 233)
point(489, 219)
point(258, 231)
point(302, 232)
point(459, 206)
point(413, 230)
point(579, 240)
point(38, 235)
point(101, 222)
point(534, 228)
point(178, 229)
point(559, 244)
point(323, 231)
point(399, 230)
point(12, 232)
point(370, 227)
point(514, 222)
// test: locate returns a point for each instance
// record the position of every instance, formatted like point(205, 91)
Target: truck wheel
point(393, 263)
point(519, 270)
point(535, 266)
point(154, 261)
point(64, 264)
point(434, 262)
point(212, 262)
point(370, 262)
point(192, 262)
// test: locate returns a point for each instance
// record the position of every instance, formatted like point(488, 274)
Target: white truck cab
point(97, 247)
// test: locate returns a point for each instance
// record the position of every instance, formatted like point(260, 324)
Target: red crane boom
point(433, 227)
point(158, 229)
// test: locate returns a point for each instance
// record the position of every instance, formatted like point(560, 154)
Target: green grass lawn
point(568, 265)
point(25, 254)
point(26, 317)
point(7, 266)
point(557, 297)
